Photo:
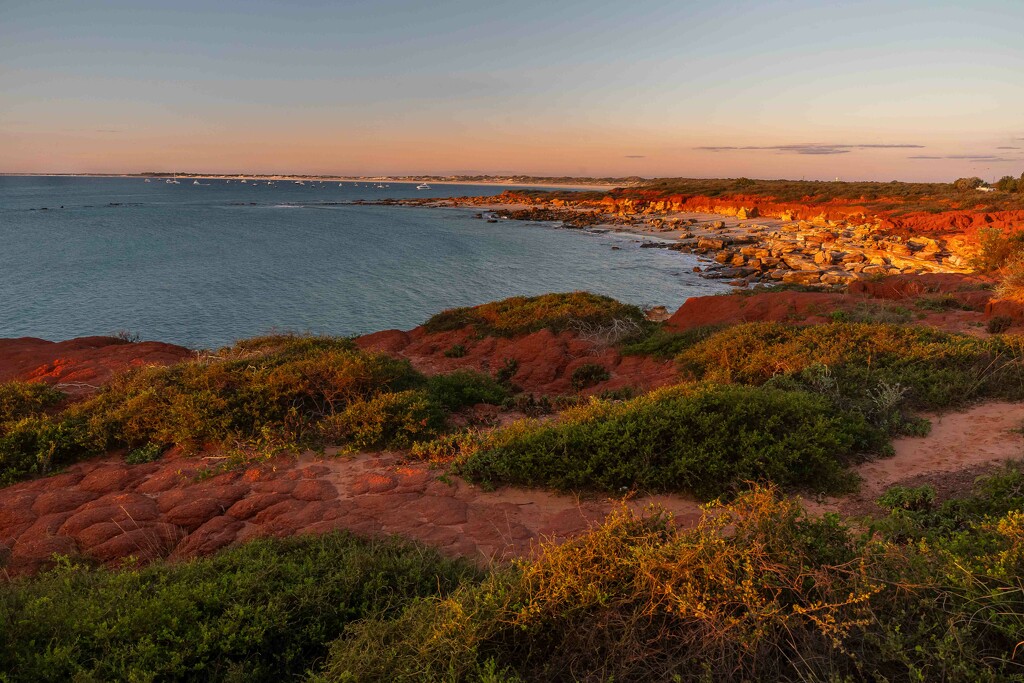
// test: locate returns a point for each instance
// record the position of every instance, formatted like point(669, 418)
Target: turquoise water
point(206, 265)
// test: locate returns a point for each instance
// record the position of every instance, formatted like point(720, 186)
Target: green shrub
point(143, 454)
point(757, 591)
point(522, 315)
point(662, 343)
point(998, 324)
point(38, 445)
point(509, 368)
point(263, 395)
point(920, 499)
point(395, 420)
point(463, 388)
point(937, 370)
point(996, 248)
point(706, 440)
point(587, 375)
point(266, 387)
point(263, 611)
point(455, 351)
point(26, 399)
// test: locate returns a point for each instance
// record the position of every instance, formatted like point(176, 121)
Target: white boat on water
point(423, 186)
point(147, 180)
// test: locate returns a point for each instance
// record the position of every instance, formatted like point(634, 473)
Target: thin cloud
point(808, 148)
point(107, 130)
point(636, 156)
point(1007, 147)
point(965, 157)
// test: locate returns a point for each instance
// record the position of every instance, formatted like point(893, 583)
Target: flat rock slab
point(105, 511)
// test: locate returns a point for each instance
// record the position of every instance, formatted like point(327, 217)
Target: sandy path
point(970, 441)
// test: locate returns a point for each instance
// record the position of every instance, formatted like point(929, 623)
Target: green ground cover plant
point(701, 439)
point(523, 315)
point(852, 362)
point(263, 611)
point(263, 394)
point(757, 591)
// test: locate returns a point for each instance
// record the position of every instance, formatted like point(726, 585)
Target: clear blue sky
point(602, 88)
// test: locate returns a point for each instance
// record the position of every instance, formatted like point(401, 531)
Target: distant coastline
point(499, 181)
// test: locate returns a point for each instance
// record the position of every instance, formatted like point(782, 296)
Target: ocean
point(205, 265)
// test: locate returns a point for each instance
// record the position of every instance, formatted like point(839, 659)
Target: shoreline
point(323, 179)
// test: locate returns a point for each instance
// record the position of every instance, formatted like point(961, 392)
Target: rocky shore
point(741, 244)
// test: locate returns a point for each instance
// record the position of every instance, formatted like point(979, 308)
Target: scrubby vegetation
point(662, 343)
point(852, 362)
point(705, 440)
point(757, 591)
point(587, 375)
point(522, 315)
point(263, 394)
point(878, 195)
point(265, 611)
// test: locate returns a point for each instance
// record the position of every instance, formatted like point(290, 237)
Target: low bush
point(143, 454)
point(757, 591)
point(464, 388)
point(996, 248)
point(852, 361)
point(998, 324)
point(38, 445)
point(455, 351)
point(705, 440)
point(522, 315)
point(662, 343)
point(19, 400)
point(587, 375)
point(263, 611)
point(262, 395)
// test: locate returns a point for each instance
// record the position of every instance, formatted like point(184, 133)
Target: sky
point(921, 90)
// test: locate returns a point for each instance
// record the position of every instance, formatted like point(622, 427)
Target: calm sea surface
point(204, 265)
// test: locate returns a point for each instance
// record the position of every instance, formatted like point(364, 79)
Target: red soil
point(87, 361)
point(546, 360)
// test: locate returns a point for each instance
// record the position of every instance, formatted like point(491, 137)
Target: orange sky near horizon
point(856, 90)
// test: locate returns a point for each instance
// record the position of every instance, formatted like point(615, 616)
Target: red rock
point(437, 511)
point(1006, 308)
point(374, 482)
point(209, 538)
point(106, 479)
point(36, 554)
point(313, 489)
point(15, 511)
point(314, 471)
point(388, 341)
point(89, 361)
point(129, 505)
point(163, 480)
point(62, 500)
point(45, 525)
point(274, 486)
point(271, 513)
point(254, 504)
point(100, 533)
point(146, 543)
point(194, 513)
